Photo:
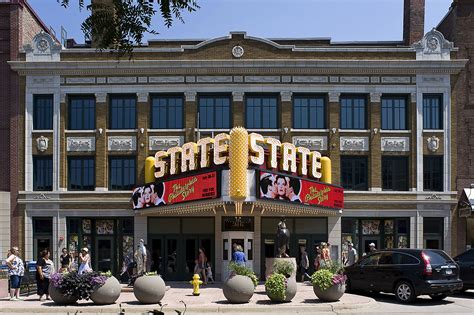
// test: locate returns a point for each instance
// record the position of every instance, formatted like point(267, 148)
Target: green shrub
point(322, 278)
point(283, 267)
point(334, 267)
point(243, 271)
point(276, 286)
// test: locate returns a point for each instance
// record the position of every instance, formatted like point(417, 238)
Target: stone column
point(411, 104)
point(63, 143)
point(190, 115)
point(286, 115)
point(142, 135)
point(333, 139)
point(238, 109)
point(375, 168)
point(101, 142)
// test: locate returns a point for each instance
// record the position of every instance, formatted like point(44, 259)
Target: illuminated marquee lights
point(241, 149)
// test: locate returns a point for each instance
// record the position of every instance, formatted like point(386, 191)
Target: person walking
point(304, 262)
point(325, 254)
point(16, 270)
point(351, 255)
point(66, 261)
point(238, 256)
point(44, 270)
point(318, 260)
point(202, 264)
point(85, 260)
point(372, 248)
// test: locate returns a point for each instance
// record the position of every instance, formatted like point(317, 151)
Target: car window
point(386, 259)
point(372, 260)
point(437, 257)
point(467, 256)
point(404, 259)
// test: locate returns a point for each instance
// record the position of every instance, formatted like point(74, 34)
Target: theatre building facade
point(208, 143)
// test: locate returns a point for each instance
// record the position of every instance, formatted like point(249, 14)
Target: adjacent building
point(383, 112)
point(18, 25)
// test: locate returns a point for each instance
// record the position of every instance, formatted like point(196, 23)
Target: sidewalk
point(211, 301)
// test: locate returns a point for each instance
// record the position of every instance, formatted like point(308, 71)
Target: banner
point(293, 189)
point(196, 187)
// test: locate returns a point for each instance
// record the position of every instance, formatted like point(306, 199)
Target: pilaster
point(286, 115)
point(142, 135)
point(62, 143)
point(190, 115)
point(333, 146)
point(101, 141)
point(375, 168)
point(238, 109)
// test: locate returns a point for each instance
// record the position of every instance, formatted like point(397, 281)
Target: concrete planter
point(290, 291)
point(149, 289)
point(108, 293)
point(238, 289)
point(59, 298)
point(332, 294)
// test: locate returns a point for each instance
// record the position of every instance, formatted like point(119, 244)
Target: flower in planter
point(276, 285)
point(241, 270)
point(74, 284)
point(331, 274)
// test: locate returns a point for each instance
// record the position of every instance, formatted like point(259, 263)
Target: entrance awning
point(466, 203)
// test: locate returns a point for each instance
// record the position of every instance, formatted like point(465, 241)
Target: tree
point(121, 24)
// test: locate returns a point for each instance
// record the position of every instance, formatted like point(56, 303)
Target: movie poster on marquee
point(293, 189)
point(196, 187)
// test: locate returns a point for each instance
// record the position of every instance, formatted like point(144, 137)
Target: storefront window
point(104, 227)
point(433, 233)
point(370, 227)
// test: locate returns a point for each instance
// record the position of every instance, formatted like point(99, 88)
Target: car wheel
point(404, 292)
point(438, 296)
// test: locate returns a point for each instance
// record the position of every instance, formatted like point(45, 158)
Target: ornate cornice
point(240, 66)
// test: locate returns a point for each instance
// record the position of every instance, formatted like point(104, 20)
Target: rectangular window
point(353, 112)
point(81, 114)
point(43, 112)
point(432, 112)
point(354, 172)
point(433, 230)
point(43, 173)
point(214, 112)
point(394, 113)
point(395, 173)
point(262, 112)
point(81, 173)
point(167, 112)
point(122, 173)
point(433, 173)
point(309, 112)
point(123, 112)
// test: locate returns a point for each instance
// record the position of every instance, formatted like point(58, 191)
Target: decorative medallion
point(237, 51)
point(42, 45)
point(42, 143)
point(432, 43)
point(433, 143)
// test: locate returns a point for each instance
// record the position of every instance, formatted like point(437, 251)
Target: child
point(209, 275)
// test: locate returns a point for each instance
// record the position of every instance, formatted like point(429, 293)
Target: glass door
point(231, 241)
point(104, 254)
point(172, 257)
point(156, 251)
point(40, 244)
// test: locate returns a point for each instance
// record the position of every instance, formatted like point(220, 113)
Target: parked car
point(466, 268)
point(405, 272)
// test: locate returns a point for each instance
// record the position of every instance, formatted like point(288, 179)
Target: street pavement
point(212, 301)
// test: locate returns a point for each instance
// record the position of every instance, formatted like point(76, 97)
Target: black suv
point(466, 266)
point(405, 272)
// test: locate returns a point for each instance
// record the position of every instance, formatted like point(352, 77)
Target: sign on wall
point(189, 188)
point(293, 189)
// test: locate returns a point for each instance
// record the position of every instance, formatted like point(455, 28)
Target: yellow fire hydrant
point(196, 282)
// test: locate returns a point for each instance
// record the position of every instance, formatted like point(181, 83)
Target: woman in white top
point(16, 270)
point(85, 260)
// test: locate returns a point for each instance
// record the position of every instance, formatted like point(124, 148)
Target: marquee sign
point(293, 189)
point(195, 187)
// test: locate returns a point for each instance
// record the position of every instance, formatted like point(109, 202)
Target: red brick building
point(18, 25)
point(458, 27)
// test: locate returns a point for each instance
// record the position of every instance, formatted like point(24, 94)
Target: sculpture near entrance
point(282, 239)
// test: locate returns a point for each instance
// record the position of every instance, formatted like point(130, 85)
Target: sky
point(341, 20)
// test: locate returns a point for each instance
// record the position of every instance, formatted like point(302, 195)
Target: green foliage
point(276, 286)
point(322, 278)
point(121, 24)
point(152, 273)
point(241, 270)
point(334, 267)
point(107, 274)
point(283, 267)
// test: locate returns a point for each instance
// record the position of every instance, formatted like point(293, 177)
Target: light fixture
point(376, 130)
point(142, 130)
point(334, 130)
point(285, 129)
point(100, 131)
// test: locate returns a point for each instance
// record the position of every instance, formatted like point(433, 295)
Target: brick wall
point(413, 21)
point(458, 27)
